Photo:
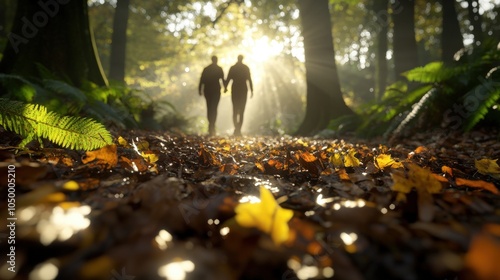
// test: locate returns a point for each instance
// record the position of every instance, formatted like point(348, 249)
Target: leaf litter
point(168, 206)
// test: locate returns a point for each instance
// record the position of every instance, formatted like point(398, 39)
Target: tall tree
point(381, 18)
point(404, 41)
point(451, 37)
point(55, 35)
point(475, 20)
point(324, 96)
point(119, 41)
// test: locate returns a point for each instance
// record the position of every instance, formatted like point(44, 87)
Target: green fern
point(33, 121)
point(490, 90)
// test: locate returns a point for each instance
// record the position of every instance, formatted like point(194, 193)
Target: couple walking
point(211, 82)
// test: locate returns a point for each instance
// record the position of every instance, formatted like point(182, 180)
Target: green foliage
point(32, 121)
point(116, 105)
point(456, 96)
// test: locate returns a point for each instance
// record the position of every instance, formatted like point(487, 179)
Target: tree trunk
point(404, 42)
point(380, 9)
point(119, 41)
point(55, 35)
point(324, 96)
point(475, 19)
point(451, 38)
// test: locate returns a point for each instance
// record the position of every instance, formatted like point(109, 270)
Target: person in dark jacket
point(211, 81)
point(242, 80)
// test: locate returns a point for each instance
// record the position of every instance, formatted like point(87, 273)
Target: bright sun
point(262, 49)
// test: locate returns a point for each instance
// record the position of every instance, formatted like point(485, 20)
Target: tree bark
point(475, 19)
point(380, 8)
point(451, 38)
point(119, 41)
point(324, 96)
point(56, 35)
point(404, 42)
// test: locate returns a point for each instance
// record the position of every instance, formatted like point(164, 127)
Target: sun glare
point(263, 49)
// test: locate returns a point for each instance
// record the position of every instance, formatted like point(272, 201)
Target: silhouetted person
point(211, 80)
point(240, 75)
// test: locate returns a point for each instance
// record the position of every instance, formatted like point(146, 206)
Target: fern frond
point(486, 95)
point(433, 72)
point(65, 90)
point(33, 121)
point(417, 109)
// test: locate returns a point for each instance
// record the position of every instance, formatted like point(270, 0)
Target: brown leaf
point(105, 156)
point(311, 163)
point(206, 157)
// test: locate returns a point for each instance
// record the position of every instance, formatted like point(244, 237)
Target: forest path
point(162, 206)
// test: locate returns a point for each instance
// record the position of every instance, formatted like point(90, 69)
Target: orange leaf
point(477, 184)
point(447, 170)
point(104, 156)
point(343, 175)
point(484, 253)
point(420, 149)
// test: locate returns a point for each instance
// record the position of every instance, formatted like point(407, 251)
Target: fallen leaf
point(385, 160)
point(477, 184)
point(488, 167)
point(447, 170)
point(350, 160)
point(424, 182)
point(122, 142)
point(482, 258)
point(106, 156)
point(336, 160)
point(150, 157)
point(71, 186)
point(266, 215)
point(416, 177)
point(311, 163)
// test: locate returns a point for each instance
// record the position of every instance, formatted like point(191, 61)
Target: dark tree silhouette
point(381, 20)
point(475, 19)
point(119, 41)
point(55, 35)
point(404, 42)
point(324, 96)
point(451, 38)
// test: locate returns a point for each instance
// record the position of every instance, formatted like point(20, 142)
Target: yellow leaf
point(385, 160)
point(417, 177)
point(265, 215)
point(122, 141)
point(336, 160)
point(426, 184)
point(350, 160)
point(71, 186)
point(150, 157)
point(488, 167)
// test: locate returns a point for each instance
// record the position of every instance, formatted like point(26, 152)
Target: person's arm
point(221, 79)
point(228, 79)
point(250, 83)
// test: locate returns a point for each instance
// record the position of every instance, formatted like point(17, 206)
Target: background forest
point(152, 53)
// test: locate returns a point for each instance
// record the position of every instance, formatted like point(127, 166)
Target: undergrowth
point(459, 96)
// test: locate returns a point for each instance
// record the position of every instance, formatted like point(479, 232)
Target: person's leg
point(241, 112)
point(212, 103)
point(236, 113)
